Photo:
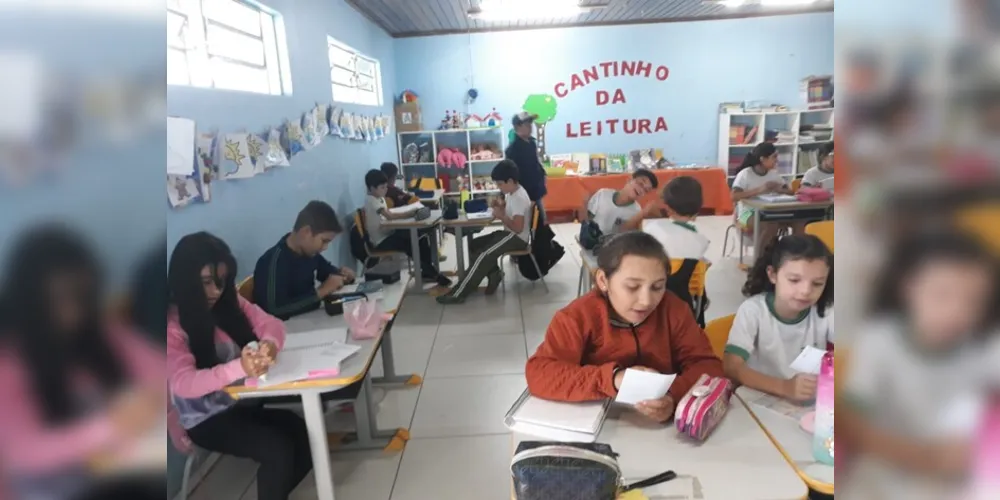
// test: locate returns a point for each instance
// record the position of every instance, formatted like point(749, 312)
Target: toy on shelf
point(446, 121)
point(425, 153)
point(493, 119)
point(448, 157)
point(483, 183)
point(411, 153)
point(456, 120)
point(473, 121)
point(408, 96)
point(485, 152)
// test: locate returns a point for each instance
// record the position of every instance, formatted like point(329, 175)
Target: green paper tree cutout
point(543, 105)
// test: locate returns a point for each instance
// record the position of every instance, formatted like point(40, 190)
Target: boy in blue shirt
point(286, 275)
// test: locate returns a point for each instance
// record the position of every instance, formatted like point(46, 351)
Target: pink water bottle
point(823, 427)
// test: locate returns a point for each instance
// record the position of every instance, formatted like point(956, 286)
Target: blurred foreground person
point(78, 390)
point(914, 394)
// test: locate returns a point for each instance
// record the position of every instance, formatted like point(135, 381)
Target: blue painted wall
point(709, 62)
point(252, 214)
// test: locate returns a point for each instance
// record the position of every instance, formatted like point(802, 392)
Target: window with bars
point(226, 44)
point(355, 77)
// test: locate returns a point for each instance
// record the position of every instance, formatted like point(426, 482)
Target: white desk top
point(796, 442)
point(760, 204)
point(410, 222)
point(353, 368)
point(464, 221)
point(736, 462)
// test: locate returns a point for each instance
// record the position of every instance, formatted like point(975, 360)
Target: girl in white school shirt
point(789, 307)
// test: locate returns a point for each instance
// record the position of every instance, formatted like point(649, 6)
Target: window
point(356, 78)
point(226, 44)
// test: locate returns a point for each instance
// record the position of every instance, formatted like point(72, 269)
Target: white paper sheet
point(573, 417)
point(777, 198)
point(180, 146)
point(480, 215)
point(638, 385)
point(296, 364)
point(809, 361)
point(406, 208)
point(314, 338)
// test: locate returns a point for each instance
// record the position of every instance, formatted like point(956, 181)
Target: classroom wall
point(709, 62)
point(252, 214)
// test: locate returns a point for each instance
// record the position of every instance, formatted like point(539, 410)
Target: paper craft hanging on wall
point(370, 128)
point(208, 163)
point(333, 119)
point(359, 127)
point(181, 190)
point(293, 138)
point(180, 146)
point(274, 154)
point(322, 126)
point(379, 128)
point(236, 161)
point(256, 147)
point(346, 125)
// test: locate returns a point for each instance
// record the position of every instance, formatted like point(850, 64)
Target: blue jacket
point(524, 153)
point(285, 282)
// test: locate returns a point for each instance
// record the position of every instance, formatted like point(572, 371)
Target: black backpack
point(546, 250)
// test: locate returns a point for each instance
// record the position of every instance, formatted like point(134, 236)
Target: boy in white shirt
point(682, 198)
point(821, 176)
point(389, 239)
point(485, 251)
point(619, 211)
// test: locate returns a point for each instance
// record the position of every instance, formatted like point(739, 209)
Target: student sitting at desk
point(789, 307)
point(209, 329)
point(617, 211)
point(759, 175)
point(285, 276)
point(628, 321)
point(680, 238)
point(75, 387)
point(821, 176)
point(395, 240)
point(394, 194)
point(514, 212)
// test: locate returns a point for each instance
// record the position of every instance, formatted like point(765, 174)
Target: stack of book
point(551, 420)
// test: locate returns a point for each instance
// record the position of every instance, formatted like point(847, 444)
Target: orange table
point(566, 194)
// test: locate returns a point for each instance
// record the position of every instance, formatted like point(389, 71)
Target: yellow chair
point(527, 251)
point(796, 185)
point(696, 285)
point(717, 331)
point(370, 251)
point(425, 183)
point(981, 220)
point(245, 288)
point(822, 230)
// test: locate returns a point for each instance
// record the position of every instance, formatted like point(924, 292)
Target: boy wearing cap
point(523, 151)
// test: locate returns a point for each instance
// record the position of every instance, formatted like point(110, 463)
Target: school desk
point(785, 211)
point(458, 225)
point(791, 441)
point(352, 370)
point(566, 194)
point(414, 226)
point(736, 461)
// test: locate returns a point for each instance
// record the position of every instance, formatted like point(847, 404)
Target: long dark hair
point(793, 247)
point(192, 253)
point(38, 258)
point(921, 247)
point(752, 159)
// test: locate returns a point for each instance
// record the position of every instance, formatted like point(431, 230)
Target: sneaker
point(493, 282)
point(450, 299)
point(442, 280)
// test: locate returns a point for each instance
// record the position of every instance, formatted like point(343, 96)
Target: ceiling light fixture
point(785, 3)
point(507, 10)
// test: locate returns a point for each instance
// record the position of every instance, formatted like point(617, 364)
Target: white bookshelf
point(791, 144)
point(462, 139)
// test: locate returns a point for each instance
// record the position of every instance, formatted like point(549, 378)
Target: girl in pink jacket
point(209, 327)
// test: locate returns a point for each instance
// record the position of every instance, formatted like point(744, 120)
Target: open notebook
point(568, 422)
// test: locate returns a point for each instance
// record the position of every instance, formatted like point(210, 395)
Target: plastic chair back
point(245, 288)
point(696, 285)
point(796, 184)
point(717, 332)
point(822, 230)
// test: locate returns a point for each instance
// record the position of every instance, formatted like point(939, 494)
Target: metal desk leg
point(756, 234)
point(312, 408)
point(460, 252)
point(435, 254)
point(579, 282)
point(415, 252)
point(368, 436)
point(389, 376)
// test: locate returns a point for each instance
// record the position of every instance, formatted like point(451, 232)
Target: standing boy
point(514, 211)
point(682, 199)
point(523, 152)
point(286, 275)
point(391, 240)
point(619, 211)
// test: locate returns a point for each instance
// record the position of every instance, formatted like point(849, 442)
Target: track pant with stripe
point(484, 255)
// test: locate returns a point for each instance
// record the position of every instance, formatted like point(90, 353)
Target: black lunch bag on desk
point(547, 470)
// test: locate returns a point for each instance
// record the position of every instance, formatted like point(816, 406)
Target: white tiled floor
point(472, 358)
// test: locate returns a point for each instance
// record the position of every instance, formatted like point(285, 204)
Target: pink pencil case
point(701, 410)
point(333, 372)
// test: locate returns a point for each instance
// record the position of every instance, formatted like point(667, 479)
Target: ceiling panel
point(402, 18)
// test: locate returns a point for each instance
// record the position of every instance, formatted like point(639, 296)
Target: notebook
point(777, 198)
point(567, 422)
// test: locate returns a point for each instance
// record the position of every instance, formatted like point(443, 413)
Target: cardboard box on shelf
point(408, 117)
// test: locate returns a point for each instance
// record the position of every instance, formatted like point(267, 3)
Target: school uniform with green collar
point(748, 179)
point(818, 177)
point(681, 240)
point(768, 343)
point(604, 209)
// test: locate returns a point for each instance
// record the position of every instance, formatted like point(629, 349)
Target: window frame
point(353, 93)
point(202, 61)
